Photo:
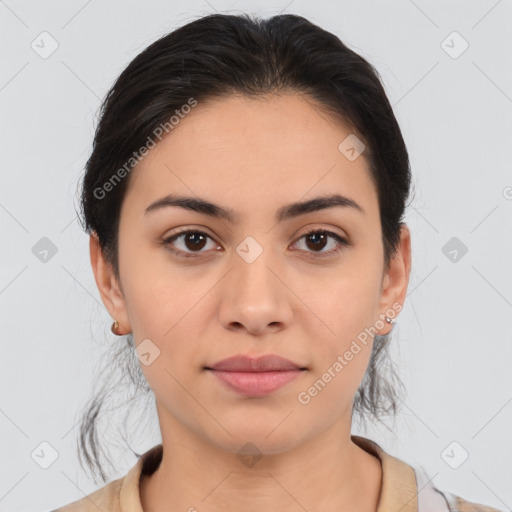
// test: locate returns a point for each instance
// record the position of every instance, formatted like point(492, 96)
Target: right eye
point(190, 239)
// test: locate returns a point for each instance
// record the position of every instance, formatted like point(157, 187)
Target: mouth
point(255, 376)
point(266, 363)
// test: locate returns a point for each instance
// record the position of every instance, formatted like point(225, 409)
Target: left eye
point(319, 238)
point(196, 240)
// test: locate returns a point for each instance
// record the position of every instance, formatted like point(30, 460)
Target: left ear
point(396, 278)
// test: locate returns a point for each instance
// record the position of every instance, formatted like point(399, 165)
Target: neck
point(330, 473)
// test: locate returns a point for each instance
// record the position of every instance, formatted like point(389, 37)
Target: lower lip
point(256, 383)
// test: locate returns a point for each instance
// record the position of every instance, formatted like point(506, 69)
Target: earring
point(389, 321)
point(115, 327)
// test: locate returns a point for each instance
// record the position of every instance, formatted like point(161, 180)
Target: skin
point(254, 156)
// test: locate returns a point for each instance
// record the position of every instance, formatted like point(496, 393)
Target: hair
point(216, 56)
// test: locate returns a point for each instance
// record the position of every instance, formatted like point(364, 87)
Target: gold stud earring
point(115, 327)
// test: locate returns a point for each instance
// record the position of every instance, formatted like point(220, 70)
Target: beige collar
point(399, 491)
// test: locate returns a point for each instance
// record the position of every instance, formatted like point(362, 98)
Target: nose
point(255, 297)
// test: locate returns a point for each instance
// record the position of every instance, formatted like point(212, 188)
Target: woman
point(244, 200)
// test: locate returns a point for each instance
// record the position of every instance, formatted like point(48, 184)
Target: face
point(197, 288)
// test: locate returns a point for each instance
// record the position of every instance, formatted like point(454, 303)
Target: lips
point(255, 377)
point(267, 363)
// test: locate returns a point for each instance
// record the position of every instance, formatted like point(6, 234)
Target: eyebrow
point(289, 211)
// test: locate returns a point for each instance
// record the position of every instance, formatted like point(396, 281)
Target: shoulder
point(409, 488)
point(121, 494)
point(458, 504)
point(105, 498)
point(432, 499)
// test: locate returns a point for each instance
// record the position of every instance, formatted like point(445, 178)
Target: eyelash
point(341, 241)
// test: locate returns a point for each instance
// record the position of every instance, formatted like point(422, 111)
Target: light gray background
point(453, 338)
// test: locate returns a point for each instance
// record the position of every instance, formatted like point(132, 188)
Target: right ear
point(108, 286)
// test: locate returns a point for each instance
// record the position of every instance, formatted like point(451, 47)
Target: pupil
point(194, 243)
point(319, 235)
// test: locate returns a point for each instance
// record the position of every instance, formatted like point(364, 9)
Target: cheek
point(156, 297)
point(348, 304)
point(340, 359)
point(331, 389)
point(164, 314)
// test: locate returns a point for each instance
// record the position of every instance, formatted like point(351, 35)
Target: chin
point(254, 440)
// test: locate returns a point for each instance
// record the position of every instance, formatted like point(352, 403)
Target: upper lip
point(266, 363)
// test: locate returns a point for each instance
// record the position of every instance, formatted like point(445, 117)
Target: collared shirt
point(399, 490)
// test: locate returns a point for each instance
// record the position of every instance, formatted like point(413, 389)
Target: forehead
point(253, 153)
